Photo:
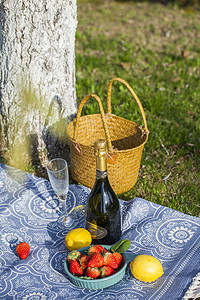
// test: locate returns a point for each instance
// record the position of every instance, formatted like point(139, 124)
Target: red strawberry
point(118, 257)
point(75, 268)
point(96, 260)
point(73, 255)
point(106, 271)
point(109, 260)
point(22, 250)
point(101, 248)
point(93, 249)
point(84, 261)
point(92, 272)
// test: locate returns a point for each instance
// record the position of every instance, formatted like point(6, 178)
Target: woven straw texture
point(125, 140)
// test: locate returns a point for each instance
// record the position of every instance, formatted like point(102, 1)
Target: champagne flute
point(57, 170)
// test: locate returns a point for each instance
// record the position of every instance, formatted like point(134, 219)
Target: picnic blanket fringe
point(194, 290)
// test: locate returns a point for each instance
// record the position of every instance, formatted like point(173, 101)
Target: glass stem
point(64, 200)
point(65, 208)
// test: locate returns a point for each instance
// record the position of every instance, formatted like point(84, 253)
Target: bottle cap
point(100, 147)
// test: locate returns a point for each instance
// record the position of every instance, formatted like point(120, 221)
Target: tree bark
point(37, 64)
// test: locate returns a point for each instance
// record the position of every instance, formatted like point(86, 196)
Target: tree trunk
point(37, 64)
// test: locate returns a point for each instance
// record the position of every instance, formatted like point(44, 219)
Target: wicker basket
point(125, 140)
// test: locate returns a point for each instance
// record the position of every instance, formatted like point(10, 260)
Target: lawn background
point(155, 47)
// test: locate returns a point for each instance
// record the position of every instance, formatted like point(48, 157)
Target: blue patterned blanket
point(28, 212)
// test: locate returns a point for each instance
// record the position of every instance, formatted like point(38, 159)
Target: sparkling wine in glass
point(57, 170)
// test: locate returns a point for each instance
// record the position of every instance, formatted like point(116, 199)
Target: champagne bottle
point(103, 216)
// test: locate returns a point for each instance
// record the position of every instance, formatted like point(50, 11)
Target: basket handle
point(133, 94)
point(103, 118)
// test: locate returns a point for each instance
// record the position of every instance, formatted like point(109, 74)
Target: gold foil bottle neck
point(100, 148)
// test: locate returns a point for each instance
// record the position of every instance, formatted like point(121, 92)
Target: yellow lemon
point(146, 268)
point(78, 238)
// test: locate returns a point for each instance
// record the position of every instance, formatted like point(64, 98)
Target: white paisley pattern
point(29, 209)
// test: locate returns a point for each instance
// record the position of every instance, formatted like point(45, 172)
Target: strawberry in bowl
point(99, 266)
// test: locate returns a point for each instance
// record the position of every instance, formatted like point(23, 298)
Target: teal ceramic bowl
point(100, 283)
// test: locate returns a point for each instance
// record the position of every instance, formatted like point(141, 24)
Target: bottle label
point(97, 232)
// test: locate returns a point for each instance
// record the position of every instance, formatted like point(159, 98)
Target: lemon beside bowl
point(78, 238)
point(146, 268)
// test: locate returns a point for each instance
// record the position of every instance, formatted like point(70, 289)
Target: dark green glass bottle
point(103, 216)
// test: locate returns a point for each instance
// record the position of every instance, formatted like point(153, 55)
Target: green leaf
point(121, 246)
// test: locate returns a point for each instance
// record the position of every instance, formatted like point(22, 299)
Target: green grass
point(155, 48)
point(166, 83)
